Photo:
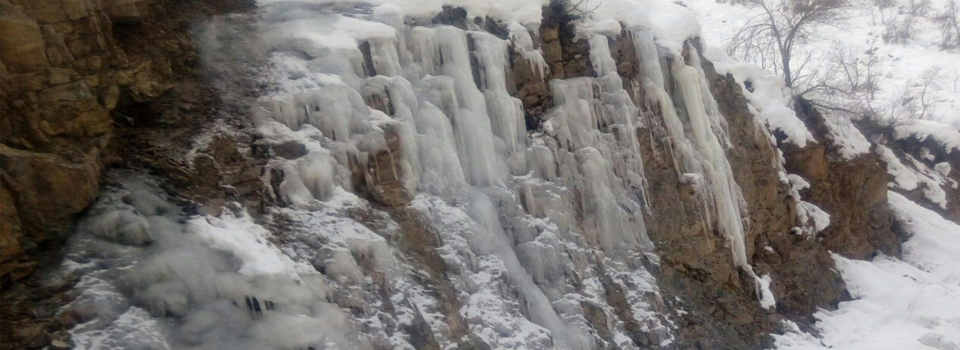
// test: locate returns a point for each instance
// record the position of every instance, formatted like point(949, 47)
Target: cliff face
point(619, 195)
point(852, 190)
point(66, 65)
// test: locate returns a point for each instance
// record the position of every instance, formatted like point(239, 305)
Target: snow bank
point(946, 135)
point(672, 24)
point(769, 100)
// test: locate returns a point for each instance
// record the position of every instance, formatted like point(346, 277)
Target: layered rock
point(66, 65)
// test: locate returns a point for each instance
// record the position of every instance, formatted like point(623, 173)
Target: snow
point(245, 239)
point(943, 168)
point(908, 303)
point(903, 177)
point(916, 174)
point(671, 25)
point(769, 99)
point(946, 135)
point(189, 286)
point(767, 300)
point(133, 329)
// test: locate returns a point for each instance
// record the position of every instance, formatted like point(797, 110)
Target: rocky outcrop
point(853, 191)
point(66, 65)
point(775, 249)
point(937, 161)
point(696, 266)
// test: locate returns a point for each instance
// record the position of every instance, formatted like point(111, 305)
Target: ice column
point(506, 112)
point(595, 124)
point(697, 143)
point(489, 238)
point(471, 125)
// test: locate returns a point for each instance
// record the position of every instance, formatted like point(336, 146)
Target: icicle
point(596, 120)
point(717, 122)
point(471, 125)
point(506, 112)
point(386, 59)
point(646, 48)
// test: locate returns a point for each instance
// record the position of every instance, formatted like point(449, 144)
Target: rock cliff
point(668, 220)
point(66, 66)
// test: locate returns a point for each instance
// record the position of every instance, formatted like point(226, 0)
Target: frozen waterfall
point(415, 140)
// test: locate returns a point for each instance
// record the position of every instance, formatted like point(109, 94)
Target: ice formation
point(371, 95)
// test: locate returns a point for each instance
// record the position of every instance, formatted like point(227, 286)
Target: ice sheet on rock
point(505, 111)
point(502, 201)
point(492, 317)
point(724, 189)
point(523, 43)
point(585, 125)
point(462, 102)
point(699, 143)
point(202, 283)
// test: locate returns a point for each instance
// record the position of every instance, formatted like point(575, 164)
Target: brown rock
point(854, 192)
point(10, 245)
point(21, 45)
point(49, 189)
point(383, 178)
point(126, 11)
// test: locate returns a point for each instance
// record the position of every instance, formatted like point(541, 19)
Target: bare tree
point(949, 21)
point(773, 37)
point(576, 9)
point(846, 82)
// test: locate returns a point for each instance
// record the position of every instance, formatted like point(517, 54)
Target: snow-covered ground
point(913, 303)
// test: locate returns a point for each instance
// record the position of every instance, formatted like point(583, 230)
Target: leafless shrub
point(858, 73)
point(845, 82)
point(772, 38)
point(915, 101)
point(898, 30)
point(581, 8)
point(918, 8)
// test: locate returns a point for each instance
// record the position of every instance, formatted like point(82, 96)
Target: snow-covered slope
point(907, 303)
